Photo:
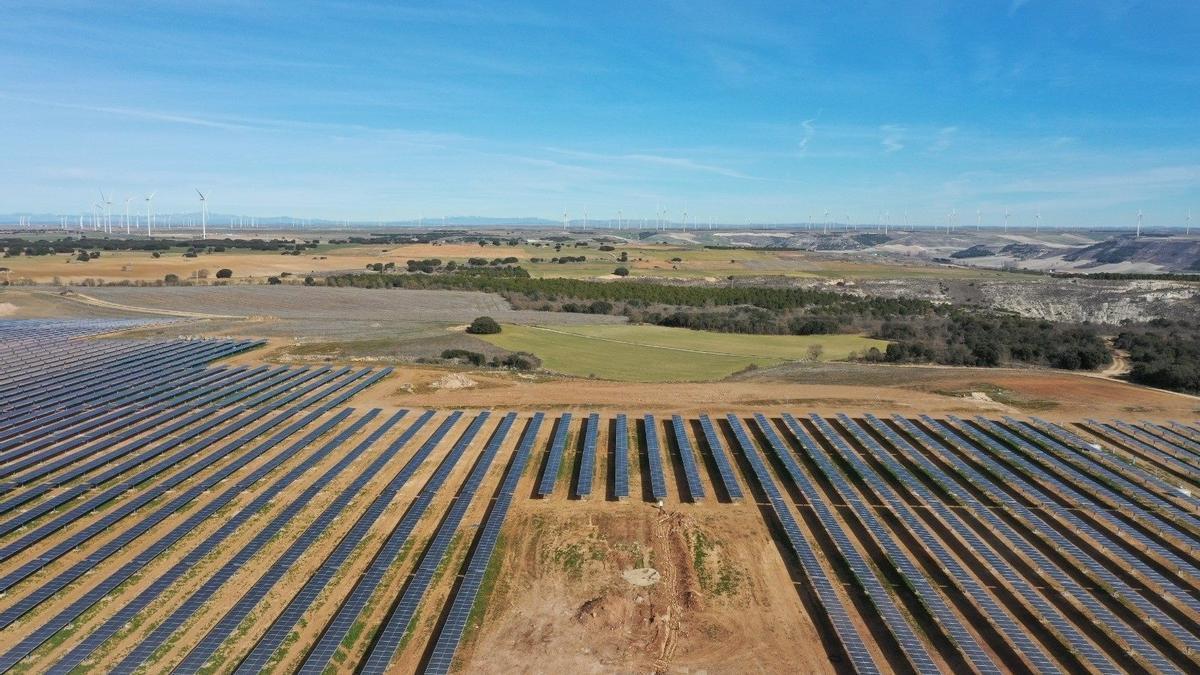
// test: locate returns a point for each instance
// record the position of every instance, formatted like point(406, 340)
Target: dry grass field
point(645, 260)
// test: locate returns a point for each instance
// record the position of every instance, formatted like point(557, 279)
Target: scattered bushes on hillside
point(224, 273)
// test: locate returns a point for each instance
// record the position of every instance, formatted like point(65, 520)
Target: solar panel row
point(724, 468)
point(910, 643)
point(1153, 495)
point(110, 583)
point(587, 458)
point(1081, 497)
point(687, 457)
point(1050, 616)
point(851, 640)
point(391, 634)
point(275, 636)
point(1117, 464)
point(658, 482)
point(621, 457)
point(448, 638)
point(554, 460)
point(1098, 613)
point(997, 615)
point(352, 607)
point(250, 597)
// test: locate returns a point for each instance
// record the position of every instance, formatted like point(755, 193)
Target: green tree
point(484, 325)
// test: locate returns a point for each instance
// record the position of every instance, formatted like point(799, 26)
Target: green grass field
point(658, 354)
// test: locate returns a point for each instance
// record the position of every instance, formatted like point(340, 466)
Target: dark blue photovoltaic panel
point(658, 481)
point(837, 612)
point(970, 648)
point(587, 459)
point(724, 468)
point(621, 457)
point(911, 644)
point(554, 461)
point(688, 457)
point(335, 632)
point(391, 634)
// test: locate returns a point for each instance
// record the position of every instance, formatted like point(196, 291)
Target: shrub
point(171, 279)
point(621, 271)
point(224, 273)
point(474, 358)
point(484, 325)
point(309, 281)
point(274, 281)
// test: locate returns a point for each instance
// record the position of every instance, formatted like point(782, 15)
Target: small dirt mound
point(642, 576)
point(452, 382)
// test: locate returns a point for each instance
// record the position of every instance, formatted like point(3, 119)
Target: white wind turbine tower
point(825, 225)
point(150, 213)
point(1037, 222)
point(107, 203)
point(127, 200)
point(1188, 227)
point(978, 219)
point(564, 221)
point(1007, 213)
point(1138, 235)
point(203, 215)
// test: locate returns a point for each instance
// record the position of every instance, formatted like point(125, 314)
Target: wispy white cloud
point(943, 139)
point(657, 160)
point(810, 129)
point(1016, 5)
point(892, 139)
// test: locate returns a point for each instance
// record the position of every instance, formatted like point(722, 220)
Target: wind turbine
point(107, 212)
point(1138, 235)
point(150, 213)
point(978, 219)
point(1037, 222)
point(203, 215)
point(1188, 227)
point(564, 221)
point(1007, 213)
point(825, 225)
point(127, 200)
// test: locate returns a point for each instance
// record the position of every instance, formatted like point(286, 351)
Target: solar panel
point(250, 597)
point(209, 544)
point(724, 468)
point(946, 618)
point(1100, 614)
point(910, 643)
point(587, 459)
point(391, 634)
point(621, 458)
point(658, 482)
point(688, 457)
point(848, 633)
point(446, 643)
point(1003, 621)
point(337, 629)
point(554, 459)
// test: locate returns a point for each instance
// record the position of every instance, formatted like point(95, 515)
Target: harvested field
point(174, 515)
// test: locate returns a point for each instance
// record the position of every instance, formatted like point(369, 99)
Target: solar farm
point(163, 511)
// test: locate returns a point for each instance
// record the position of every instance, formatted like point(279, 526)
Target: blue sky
point(1086, 110)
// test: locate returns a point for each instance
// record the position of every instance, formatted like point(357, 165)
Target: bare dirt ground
point(905, 390)
point(563, 596)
